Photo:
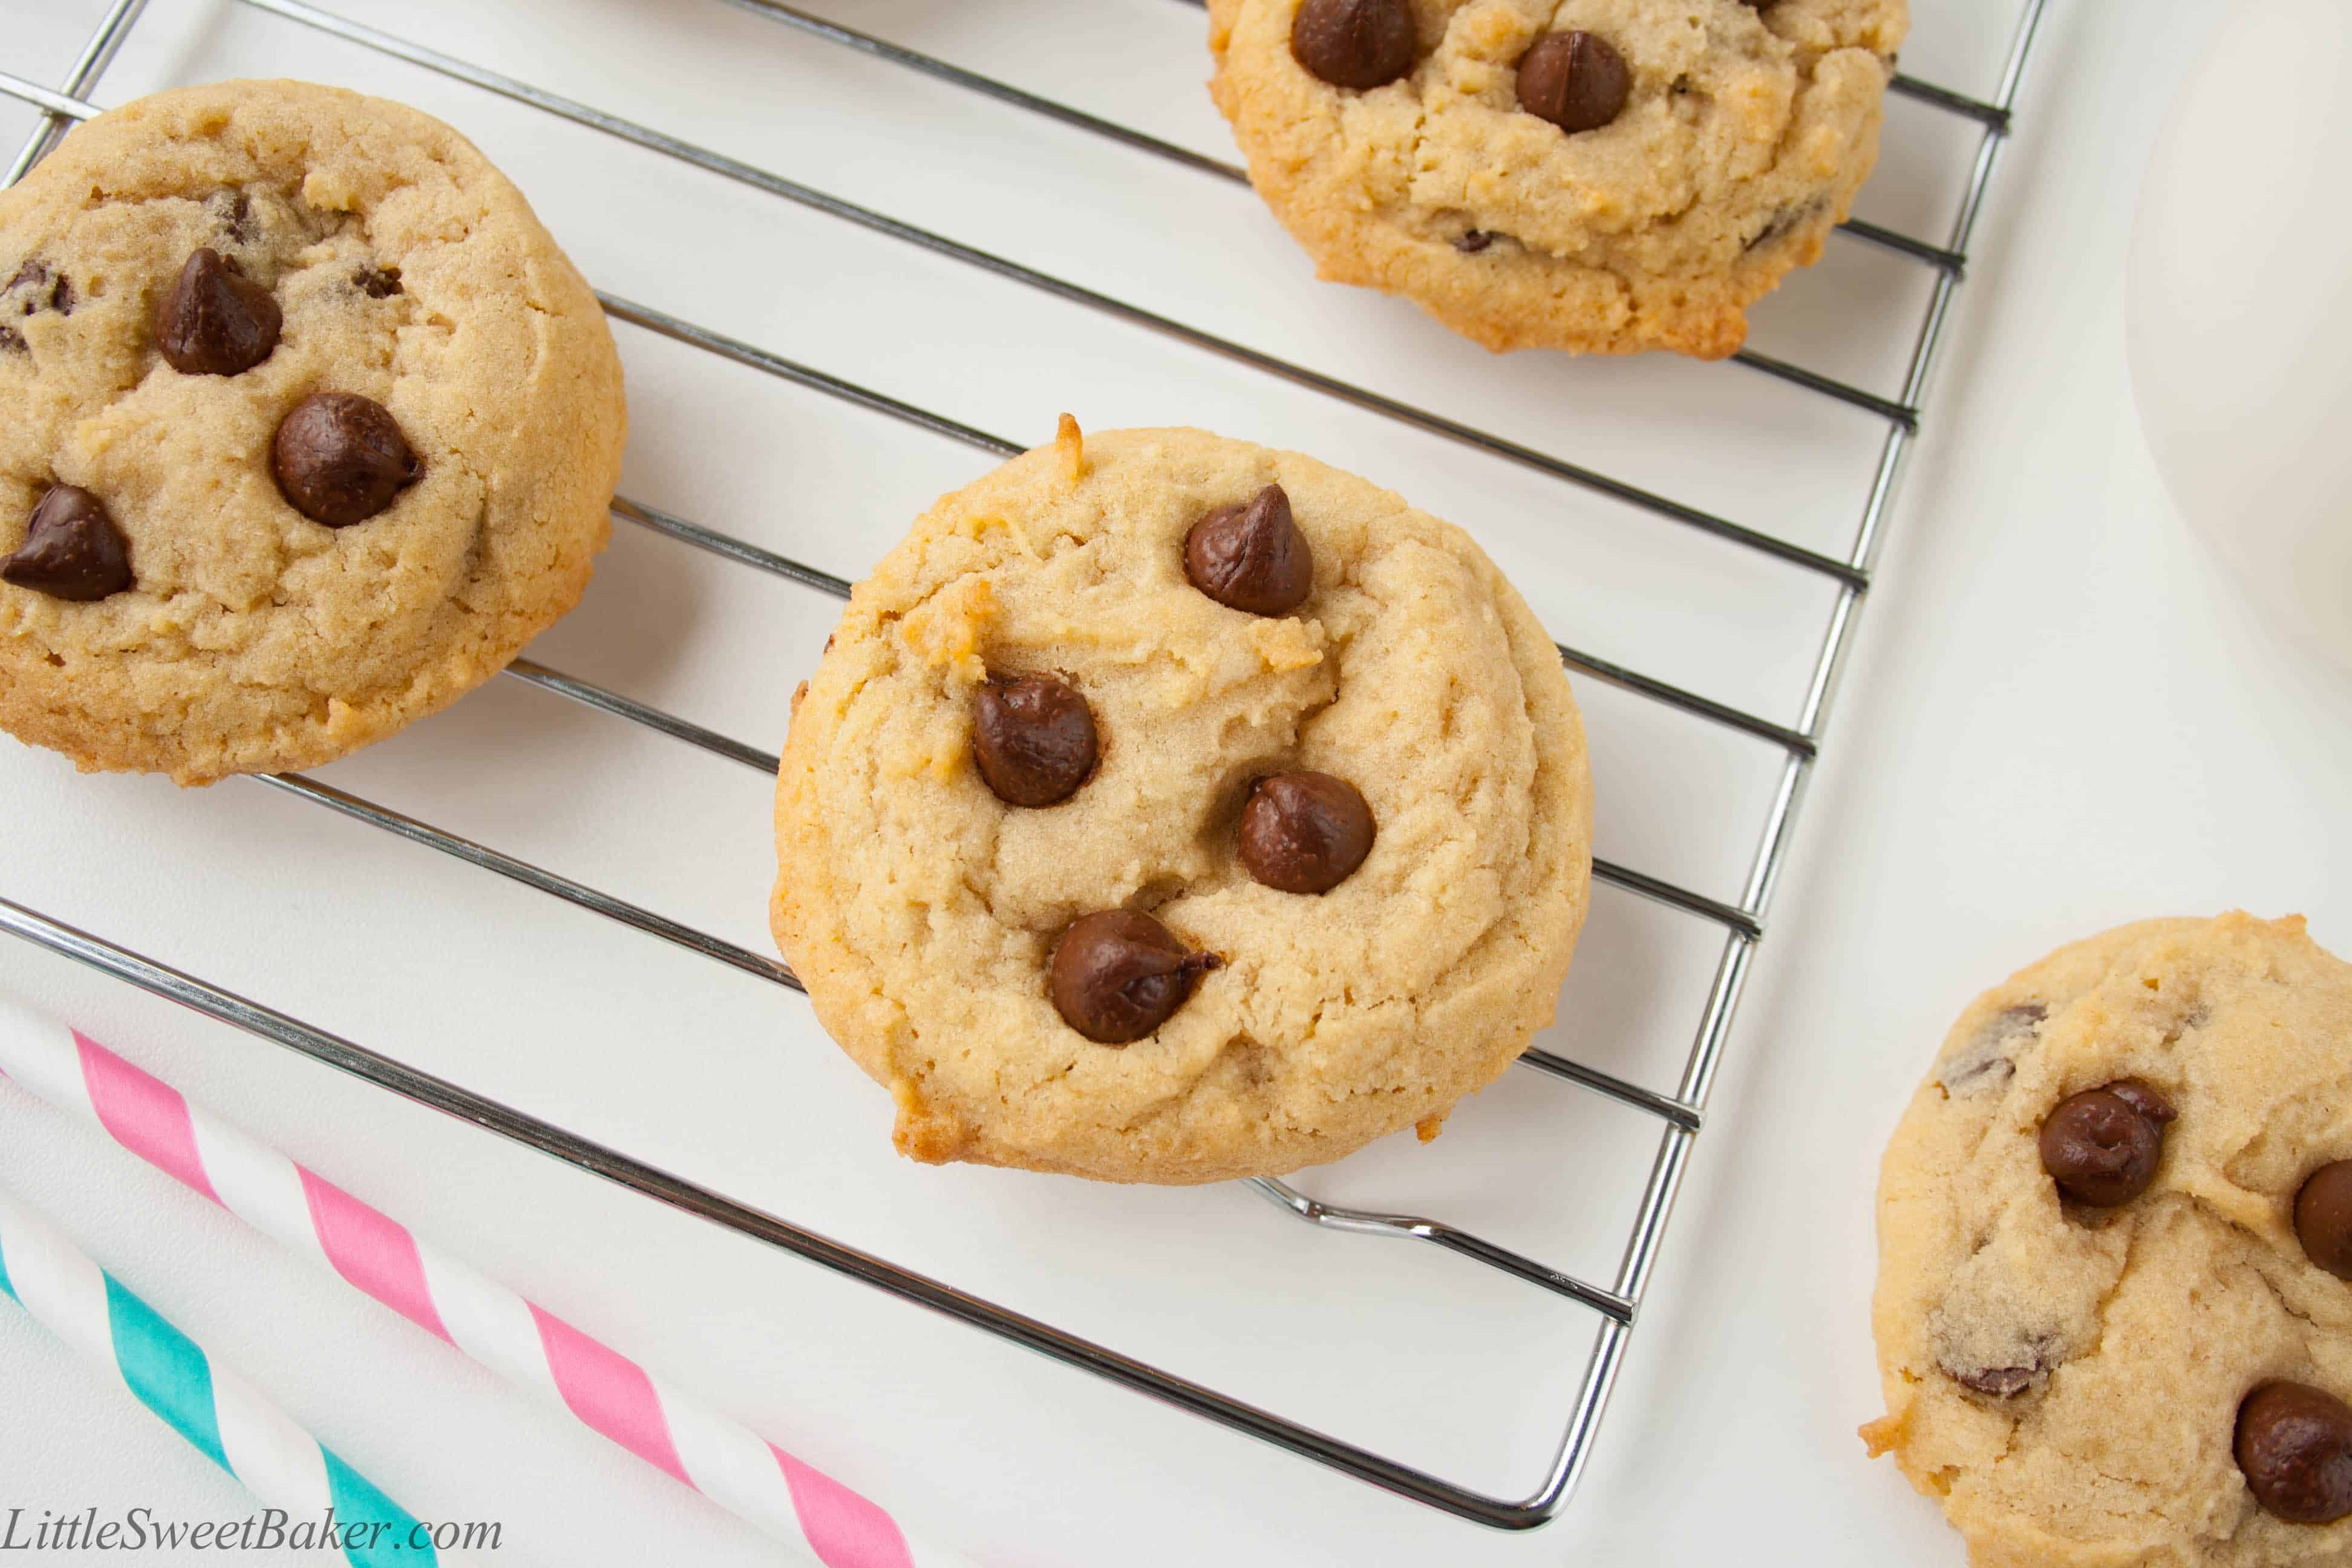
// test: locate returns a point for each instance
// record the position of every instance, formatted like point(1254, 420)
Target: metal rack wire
point(1679, 1114)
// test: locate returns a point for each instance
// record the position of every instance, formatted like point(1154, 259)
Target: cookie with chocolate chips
point(1602, 176)
point(1166, 808)
point(2115, 1232)
point(311, 427)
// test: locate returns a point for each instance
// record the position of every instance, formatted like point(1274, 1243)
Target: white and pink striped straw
point(319, 1499)
point(520, 1340)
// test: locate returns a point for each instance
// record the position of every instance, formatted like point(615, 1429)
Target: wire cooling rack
point(1679, 1115)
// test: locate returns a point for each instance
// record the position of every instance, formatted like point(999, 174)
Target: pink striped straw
point(521, 1341)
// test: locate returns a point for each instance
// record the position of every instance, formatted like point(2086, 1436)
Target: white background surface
point(2062, 717)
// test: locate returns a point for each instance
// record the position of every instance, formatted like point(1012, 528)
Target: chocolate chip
point(1471, 241)
point(377, 282)
point(215, 321)
point(2101, 1146)
point(2322, 1217)
point(1576, 80)
point(2294, 1445)
point(1251, 556)
point(1034, 739)
point(1359, 44)
point(1305, 833)
point(339, 459)
point(72, 548)
point(1119, 974)
point(2144, 1100)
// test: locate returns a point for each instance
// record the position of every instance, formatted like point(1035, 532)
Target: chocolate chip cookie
point(2113, 1315)
point(1598, 175)
point(1170, 809)
point(310, 427)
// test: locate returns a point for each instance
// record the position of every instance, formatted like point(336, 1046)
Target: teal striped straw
point(222, 1416)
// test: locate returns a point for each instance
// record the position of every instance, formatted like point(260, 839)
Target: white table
point(2060, 718)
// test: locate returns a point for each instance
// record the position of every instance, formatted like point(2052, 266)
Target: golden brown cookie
point(1598, 175)
point(310, 427)
point(1168, 808)
point(2110, 1319)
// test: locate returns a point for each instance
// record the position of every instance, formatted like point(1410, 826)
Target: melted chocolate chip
point(1251, 556)
point(2101, 1146)
point(377, 282)
point(2322, 1217)
point(339, 459)
point(72, 548)
point(1783, 223)
point(35, 287)
point(1576, 80)
point(1981, 1343)
point(2001, 1382)
point(215, 321)
point(1471, 241)
point(1305, 833)
point(1981, 1067)
point(236, 218)
point(1357, 44)
point(1990, 1059)
point(1034, 739)
point(2293, 1444)
point(1779, 224)
point(1119, 974)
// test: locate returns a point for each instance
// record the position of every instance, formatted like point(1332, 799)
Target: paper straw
point(518, 1340)
point(218, 1412)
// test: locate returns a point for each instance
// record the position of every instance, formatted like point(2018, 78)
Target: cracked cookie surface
point(409, 272)
point(2066, 1380)
point(1744, 136)
point(922, 911)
